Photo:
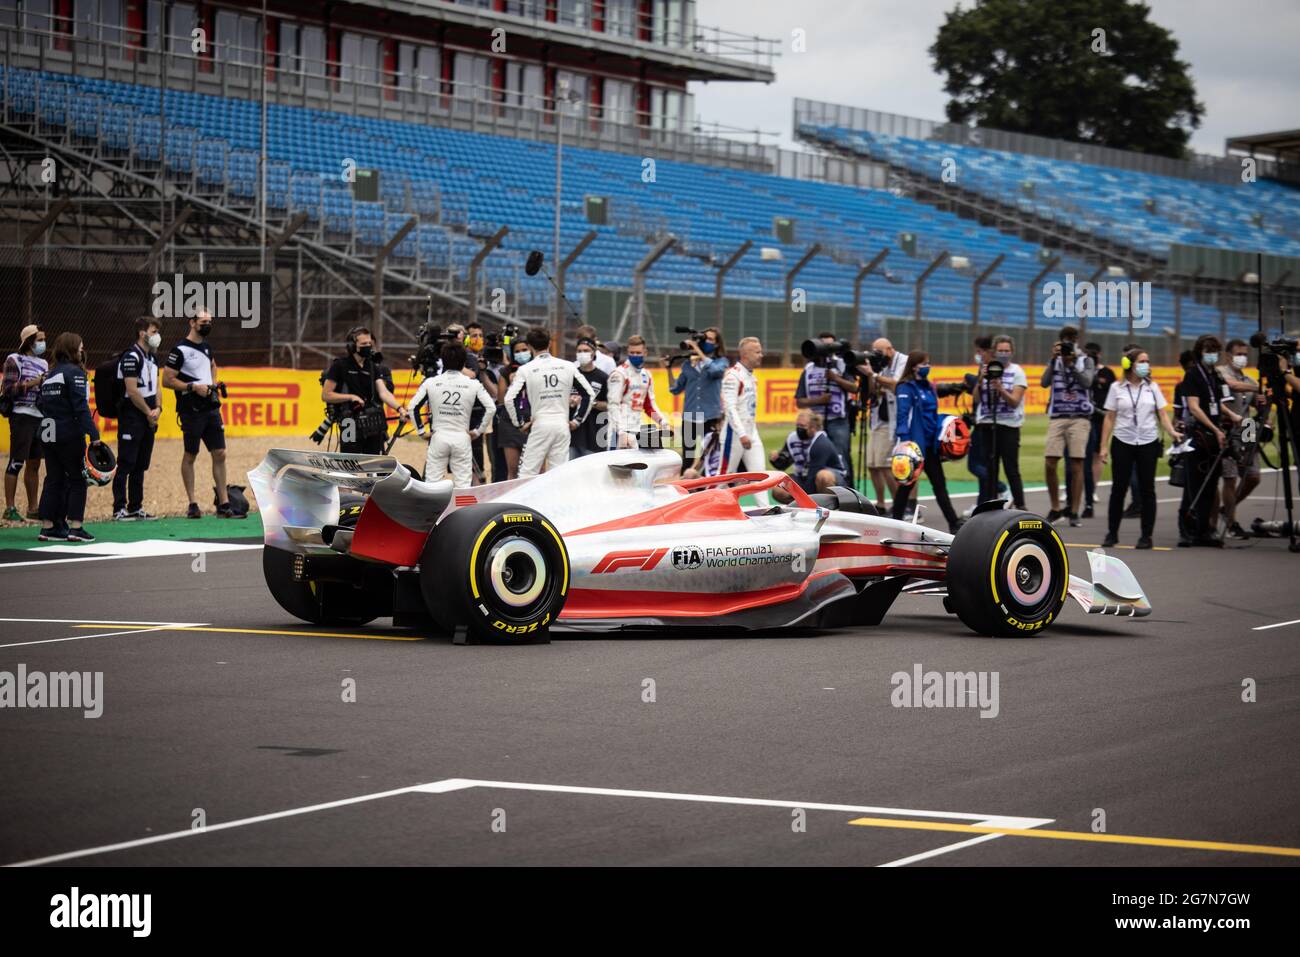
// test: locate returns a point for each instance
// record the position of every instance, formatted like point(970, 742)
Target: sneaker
point(1209, 541)
point(1054, 516)
point(954, 527)
point(80, 535)
point(55, 534)
point(1087, 511)
point(140, 515)
point(1133, 511)
point(122, 515)
point(33, 514)
point(225, 511)
point(967, 513)
point(1143, 542)
point(1074, 521)
point(1185, 543)
point(1239, 533)
point(12, 515)
point(193, 511)
point(1110, 541)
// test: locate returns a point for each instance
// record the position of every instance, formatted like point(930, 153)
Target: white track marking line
point(946, 849)
point(64, 561)
point(177, 835)
point(1279, 624)
point(102, 634)
point(459, 784)
point(98, 621)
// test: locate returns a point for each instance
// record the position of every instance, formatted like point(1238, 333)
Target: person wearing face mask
point(1240, 470)
point(1135, 413)
point(549, 382)
point(631, 394)
point(24, 371)
point(701, 380)
point(511, 432)
point(1069, 377)
point(882, 418)
point(191, 371)
point(828, 391)
point(816, 462)
point(585, 433)
point(137, 420)
point(999, 416)
point(918, 421)
point(361, 386)
point(1204, 392)
point(64, 404)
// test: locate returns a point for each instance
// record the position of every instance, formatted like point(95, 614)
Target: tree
point(1090, 71)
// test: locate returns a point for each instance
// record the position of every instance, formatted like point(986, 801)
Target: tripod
point(1270, 368)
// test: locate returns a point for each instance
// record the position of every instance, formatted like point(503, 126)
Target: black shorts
point(23, 446)
point(205, 427)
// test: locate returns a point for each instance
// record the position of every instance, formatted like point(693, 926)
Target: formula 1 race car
point(617, 541)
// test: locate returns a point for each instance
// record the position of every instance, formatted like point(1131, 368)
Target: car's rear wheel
point(499, 570)
point(321, 603)
point(1007, 574)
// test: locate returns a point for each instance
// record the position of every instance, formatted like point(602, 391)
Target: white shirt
point(549, 382)
point(1012, 376)
point(740, 399)
point(893, 371)
point(604, 363)
point(450, 397)
point(1136, 408)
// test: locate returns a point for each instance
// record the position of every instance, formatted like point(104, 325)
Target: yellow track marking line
point(294, 634)
point(1081, 836)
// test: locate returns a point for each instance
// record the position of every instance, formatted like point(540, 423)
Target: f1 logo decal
point(644, 559)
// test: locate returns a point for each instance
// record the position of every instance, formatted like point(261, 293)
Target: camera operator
point(880, 447)
point(1241, 463)
point(586, 438)
point(1204, 392)
point(701, 380)
point(452, 396)
point(1069, 375)
point(191, 372)
point(824, 388)
point(23, 372)
point(1092, 465)
point(548, 382)
point(64, 403)
point(631, 392)
point(1001, 399)
point(137, 420)
point(1135, 410)
point(816, 462)
point(361, 385)
point(918, 421)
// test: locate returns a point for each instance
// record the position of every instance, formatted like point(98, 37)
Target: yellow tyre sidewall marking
point(473, 557)
point(997, 550)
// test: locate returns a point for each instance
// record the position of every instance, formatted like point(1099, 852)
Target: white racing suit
point(740, 409)
point(450, 397)
point(629, 393)
point(550, 383)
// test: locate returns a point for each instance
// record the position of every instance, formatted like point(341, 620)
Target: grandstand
point(464, 144)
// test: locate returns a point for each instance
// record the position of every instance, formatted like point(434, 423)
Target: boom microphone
point(533, 265)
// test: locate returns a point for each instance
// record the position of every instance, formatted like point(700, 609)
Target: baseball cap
point(28, 331)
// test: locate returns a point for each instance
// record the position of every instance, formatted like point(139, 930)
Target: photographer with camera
point(1135, 411)
point(1092, 465)
point(191, 372)
point(1204, 392)
point(452, 397)
point(880, 447)
point(630, 393)
point(1069, 375)
point(998, 418)
point(1241, 465)
point(817, 464)
point(918, 421)
point(359, 385)
point(824, 388)
point(548, 382)
point(701, 380)
point(137, 420)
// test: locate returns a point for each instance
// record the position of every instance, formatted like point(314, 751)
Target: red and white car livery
point(617, 541)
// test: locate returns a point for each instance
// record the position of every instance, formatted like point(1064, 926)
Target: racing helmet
point(954, 437)
point(907, 462)
point(100, 464)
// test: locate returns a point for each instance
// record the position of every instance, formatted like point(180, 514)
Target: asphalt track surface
point(1143, 720)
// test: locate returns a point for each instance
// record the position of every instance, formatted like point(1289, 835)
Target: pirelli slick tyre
point(500, 570)
point(1007, 574)
point(321, 603)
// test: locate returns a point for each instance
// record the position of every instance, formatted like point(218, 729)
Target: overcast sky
point(1244, 56)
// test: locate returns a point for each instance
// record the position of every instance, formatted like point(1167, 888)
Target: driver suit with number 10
point(550, 383)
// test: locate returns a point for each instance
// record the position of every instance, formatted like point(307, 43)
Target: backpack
point(238, 500)
point(109, 389)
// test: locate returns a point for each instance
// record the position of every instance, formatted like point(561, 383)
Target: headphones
point(1126, 363)
point(352, 339)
